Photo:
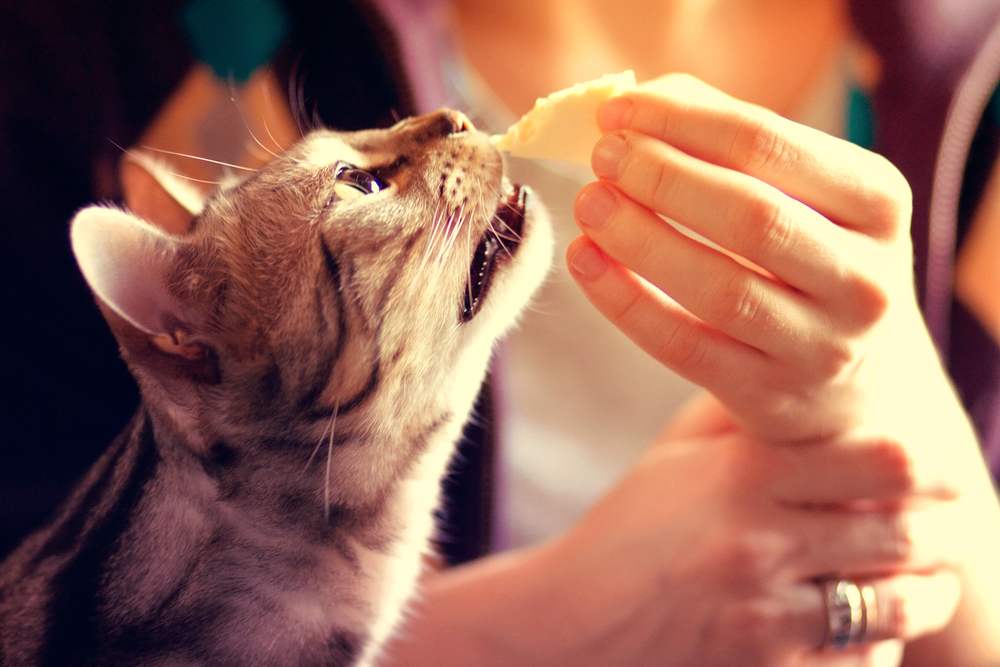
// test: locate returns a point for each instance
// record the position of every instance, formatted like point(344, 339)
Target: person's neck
point(766, 51)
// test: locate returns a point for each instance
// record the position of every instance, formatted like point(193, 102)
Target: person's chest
point(770, 52)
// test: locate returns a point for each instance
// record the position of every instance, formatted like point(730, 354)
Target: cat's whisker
point(451, 219)
point(428, 249)
point(500, 236)
point(176, 174)
point(438, 231)
point(481, 203)
point(468, 253)
point(302, 103)
point(495, 216)
point(197, 157)
point(293, 96)
point(269, 109)
point(499, 240)
point(329, 458)
point(438, 241)
point(538, 309)
point(512, 234)
point(192, 178)
point(452, 235)
point(256, 152)
point(503, 202)
point(328, 426)
point(455, 229)
point(233, 97)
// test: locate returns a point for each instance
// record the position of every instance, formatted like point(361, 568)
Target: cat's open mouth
point(499, 243)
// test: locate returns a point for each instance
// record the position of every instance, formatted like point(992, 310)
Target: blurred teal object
point(993, 110)
point(860, 118)
point(234, 37)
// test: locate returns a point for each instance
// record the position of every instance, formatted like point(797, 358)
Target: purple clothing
point(941, 64)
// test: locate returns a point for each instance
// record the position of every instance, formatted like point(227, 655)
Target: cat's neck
point(158, 544)
point(248, 529)
point(241, 539)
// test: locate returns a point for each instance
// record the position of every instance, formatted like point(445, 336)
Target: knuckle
point(752, 557)
point(895, 617)
point(757, 147)
point(893, 462)
point(868, 300)
point(765, 226)
point(637, 246)
point(891, 203)
point(641, 254)
point(682, 349)
point(624, 313)
point(736, 302)
point(833, 357)
point(897, 539)
point(663, 183)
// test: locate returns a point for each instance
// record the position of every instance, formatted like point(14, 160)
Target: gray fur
point(270, 501)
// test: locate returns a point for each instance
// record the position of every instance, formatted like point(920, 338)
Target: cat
point(307, 354)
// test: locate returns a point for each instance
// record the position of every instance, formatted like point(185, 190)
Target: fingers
point(715, 288)
point(912, 605)
point(900, 607)
point(852, 186)
point(841, 473)
point(872, 541)
point(905, 607)
point(661, 328)
point(888, 653)
point(739, 213)
point(744, 216)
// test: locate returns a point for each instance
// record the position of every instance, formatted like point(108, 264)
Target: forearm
point(972, 639)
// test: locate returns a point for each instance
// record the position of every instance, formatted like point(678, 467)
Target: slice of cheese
point(563, 126)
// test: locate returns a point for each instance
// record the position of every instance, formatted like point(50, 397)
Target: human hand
point(807, 325)
point(708, 553)
point(823, 339)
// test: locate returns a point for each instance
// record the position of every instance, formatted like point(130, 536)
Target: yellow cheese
point(563, 126)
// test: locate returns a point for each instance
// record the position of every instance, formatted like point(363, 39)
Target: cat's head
point(363, 275)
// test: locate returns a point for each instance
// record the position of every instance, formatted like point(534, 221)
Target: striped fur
point(302, 392)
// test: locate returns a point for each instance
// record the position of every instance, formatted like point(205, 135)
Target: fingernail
point(587, 261)
point(608, 152)
point(594, 206)
point(615, 113)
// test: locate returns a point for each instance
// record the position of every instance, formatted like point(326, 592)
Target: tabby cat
point(307, 354)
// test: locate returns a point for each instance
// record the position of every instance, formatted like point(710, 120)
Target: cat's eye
point(351, 182)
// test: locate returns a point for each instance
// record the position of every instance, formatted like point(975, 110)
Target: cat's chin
point(519, 267)
point(497, 246)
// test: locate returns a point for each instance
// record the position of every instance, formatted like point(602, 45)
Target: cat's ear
point(153, 192)
point(127, 262)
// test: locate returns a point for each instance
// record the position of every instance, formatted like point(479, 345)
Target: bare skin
point(661, 38)
point(762, 51)
point(529, 606)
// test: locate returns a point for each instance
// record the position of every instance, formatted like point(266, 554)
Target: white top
point(579, 401)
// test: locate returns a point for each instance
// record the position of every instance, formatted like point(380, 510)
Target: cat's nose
point(444, 123)
point(459, 121)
